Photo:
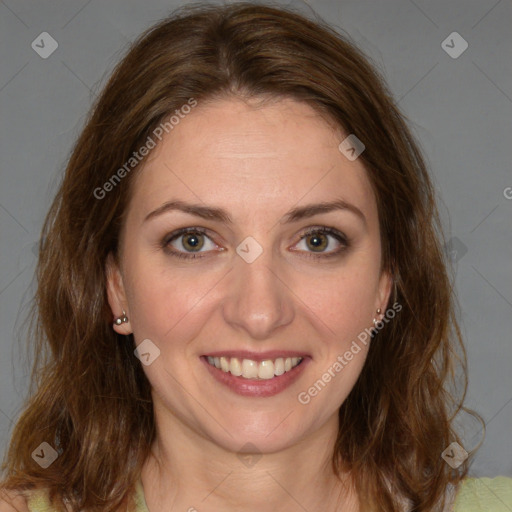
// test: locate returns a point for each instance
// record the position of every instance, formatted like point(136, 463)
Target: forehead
point(252, 159)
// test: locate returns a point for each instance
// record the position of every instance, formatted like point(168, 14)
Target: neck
point(188, 472)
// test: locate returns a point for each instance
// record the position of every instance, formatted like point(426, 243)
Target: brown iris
point(316, 242)
point(193, 241)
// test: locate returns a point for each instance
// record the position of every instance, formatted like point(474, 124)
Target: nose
point(258, 299)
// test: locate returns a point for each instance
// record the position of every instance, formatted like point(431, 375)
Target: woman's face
point(267, 277)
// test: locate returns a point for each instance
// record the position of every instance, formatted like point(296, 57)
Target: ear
point(384, 292)
point(116, 295)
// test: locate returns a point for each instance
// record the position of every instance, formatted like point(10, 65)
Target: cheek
point(344, 307)
point(158, 300)
point(344, 304)
point(168, 305)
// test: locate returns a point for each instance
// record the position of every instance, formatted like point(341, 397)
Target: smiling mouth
point(250, 369)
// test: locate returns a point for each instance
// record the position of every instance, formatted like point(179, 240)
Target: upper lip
point(257, 356)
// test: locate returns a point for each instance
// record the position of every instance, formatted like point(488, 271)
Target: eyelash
point(340, 237)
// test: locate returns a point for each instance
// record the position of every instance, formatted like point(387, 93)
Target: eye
point(317, 240)
point(187, 243)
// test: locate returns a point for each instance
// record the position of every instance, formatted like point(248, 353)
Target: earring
point(375, 321)
point(121, 319)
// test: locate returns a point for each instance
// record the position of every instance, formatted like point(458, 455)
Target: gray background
point(460, 109)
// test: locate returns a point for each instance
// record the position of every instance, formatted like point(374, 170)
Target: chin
point(258, 433)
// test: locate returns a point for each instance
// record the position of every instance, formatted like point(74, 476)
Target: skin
point(257, 162)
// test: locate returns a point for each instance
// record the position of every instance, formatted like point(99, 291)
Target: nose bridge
point(257, 300)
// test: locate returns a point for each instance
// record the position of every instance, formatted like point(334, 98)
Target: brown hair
point(90, 398)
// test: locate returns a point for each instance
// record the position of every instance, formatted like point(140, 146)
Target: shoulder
point(10, 501)
point(38, 501)
point(35, 500)
point(484, 494)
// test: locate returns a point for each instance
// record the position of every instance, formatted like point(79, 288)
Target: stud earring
point(121, 319)
point(375, 321)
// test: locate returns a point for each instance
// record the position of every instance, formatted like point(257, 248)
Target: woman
point(242, 286)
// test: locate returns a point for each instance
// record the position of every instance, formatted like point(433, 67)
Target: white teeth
point(249, 369)
point(224, 364)
point(279, 366)
point(266, 370)
point(235, 367)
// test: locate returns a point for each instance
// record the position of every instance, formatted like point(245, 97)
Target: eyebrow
point(219, 214)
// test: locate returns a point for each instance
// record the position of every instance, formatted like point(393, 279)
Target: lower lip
point(257, 387)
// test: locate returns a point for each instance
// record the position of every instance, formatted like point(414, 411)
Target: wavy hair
point(89, 397)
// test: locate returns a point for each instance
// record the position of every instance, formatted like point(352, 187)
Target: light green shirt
point(473, 495)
